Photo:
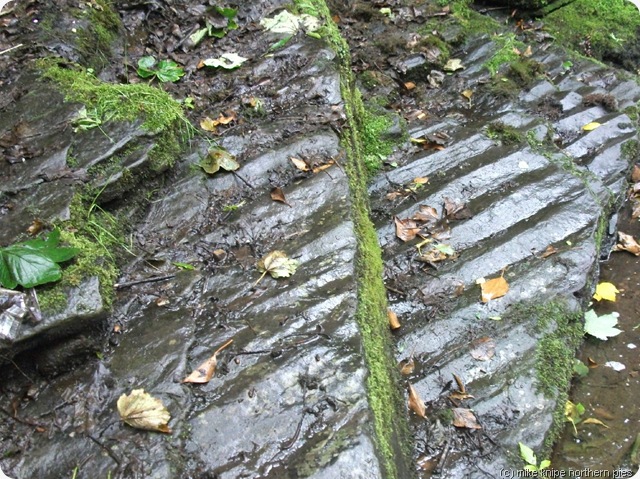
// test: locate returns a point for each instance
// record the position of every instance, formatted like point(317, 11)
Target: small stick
point(141, 281)
point(9, 49)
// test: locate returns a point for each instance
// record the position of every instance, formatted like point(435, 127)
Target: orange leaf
point(494, 288)
point(393, 319)
point(203, 373)
point(416, 404)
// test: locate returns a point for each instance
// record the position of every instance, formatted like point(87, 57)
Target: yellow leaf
point(141, 410)
point(394, 323)
point(593, 420)
point(494, 288)
point(605, 291)
point(591, 126)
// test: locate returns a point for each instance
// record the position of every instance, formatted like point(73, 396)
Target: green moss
point(385, 400)
point(473, 22)
point(504, 87)
point(632, 112)
point(606, 25)
point(95, 41)
point(506, 134)
point(369, 80)
point(630, 150)
point(525, 71)
point(373, 125)
point(52, 299)
point(505, 53)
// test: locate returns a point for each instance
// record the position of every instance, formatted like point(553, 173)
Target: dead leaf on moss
point(483, 349)
point(278, 195)
point(142, 411)
point(494, 288)
point(627, 243)
point(416, 404)
point(464, 418)
point(203, 373)
point(406, 229)
point(394, 323)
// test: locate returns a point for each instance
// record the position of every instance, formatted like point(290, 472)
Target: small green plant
point(34, 262)
point(528, 456)
point(219, 21)
point(166, 71)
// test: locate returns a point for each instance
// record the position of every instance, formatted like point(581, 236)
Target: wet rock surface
point(289, 396)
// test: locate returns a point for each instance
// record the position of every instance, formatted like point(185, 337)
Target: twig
point(141, 281)
point(9, 49)
point(243, 180)
point(106, 448)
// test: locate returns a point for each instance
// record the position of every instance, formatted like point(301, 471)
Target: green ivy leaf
point(33, 262)
point(527, 455)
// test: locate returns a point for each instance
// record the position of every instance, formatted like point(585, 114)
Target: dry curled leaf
point(142, 411)
point(301, 165)
point(35, 227)
point(394, 323)
point(407, 366)
point(406, 229)
point(277, 264)
point(627, 243)
point(483, 349)
point(278, 195)
point(549, 251)
point(593, 420)
point(635, 174)
point(203, 373)
point(456, 211)
point(464, 418)
point(494, 288)
point(416, 404)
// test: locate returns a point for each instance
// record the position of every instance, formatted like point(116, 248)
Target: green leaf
point(531, 468)
point(280, 43)
point(186, 266)
point(446, 249)
point(527, 454)
point(146, 67)
point(602, 327)
point(229, 13)
point(196, 37)
point(217, 32)
point(169, 70)
point(33, 262)
point(580, 368)
point(219, 158)
point(228, 61)
point(544, 464)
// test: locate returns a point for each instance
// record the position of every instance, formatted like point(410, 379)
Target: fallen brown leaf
point(278, 195)
point(460, 383)
point(456, 211)
point(627, 243)
point(203, 373)
point(406, 229)
point(549, 251)
point(320, 168)
point(591, 363)
point(494, 288)
point(635, 212)
point(416, 404)
point(142, 411)
point(35, 227)
point(393, 319)
point(483, 349)
point(465, 418)
point(426, 214)
point(409, 85)
point(593, 420)
point(635, 174)
point(407, 366)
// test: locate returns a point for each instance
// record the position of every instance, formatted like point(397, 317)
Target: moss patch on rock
point(595, 27)
point(386, 402)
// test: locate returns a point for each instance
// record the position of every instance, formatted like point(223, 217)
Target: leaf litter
point(141, 410)
point(203, 373)
point(416, 404)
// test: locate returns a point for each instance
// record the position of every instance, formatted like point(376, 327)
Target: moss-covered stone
point(96, 39)
point(506, 134)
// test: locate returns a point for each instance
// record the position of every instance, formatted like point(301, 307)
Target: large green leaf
point(33, 262)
